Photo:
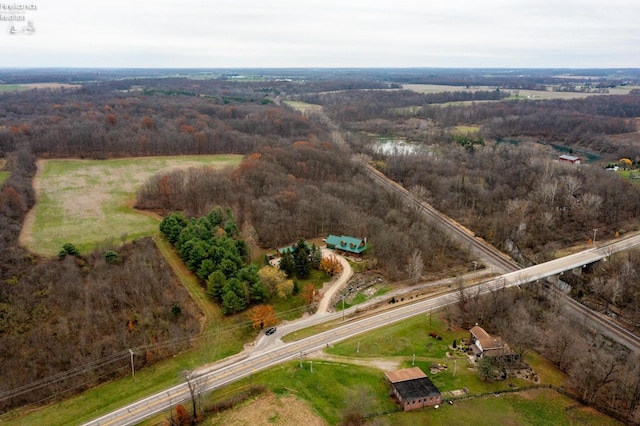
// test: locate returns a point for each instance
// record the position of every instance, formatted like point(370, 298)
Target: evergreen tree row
point(299, 259)
point(211, 249)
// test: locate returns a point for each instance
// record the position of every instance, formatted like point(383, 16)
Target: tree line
point(96, 122)
point(360, 105)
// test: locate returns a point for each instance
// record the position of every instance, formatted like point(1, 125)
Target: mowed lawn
point(533, 407)
point(86, 202)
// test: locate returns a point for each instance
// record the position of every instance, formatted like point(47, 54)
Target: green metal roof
point(284, 249)
point(291, 248)
point(346, 243)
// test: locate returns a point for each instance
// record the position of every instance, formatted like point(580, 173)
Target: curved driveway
point(336, 284)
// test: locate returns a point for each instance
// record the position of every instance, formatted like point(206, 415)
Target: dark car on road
point(270, 331)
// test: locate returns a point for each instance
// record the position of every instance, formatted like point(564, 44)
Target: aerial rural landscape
point(325, 247)
point(325, 213)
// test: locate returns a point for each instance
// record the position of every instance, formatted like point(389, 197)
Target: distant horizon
point(313, 67)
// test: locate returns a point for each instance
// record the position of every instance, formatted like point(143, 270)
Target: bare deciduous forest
point(484, 158)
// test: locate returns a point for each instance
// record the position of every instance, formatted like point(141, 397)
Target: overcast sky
point(327, 33)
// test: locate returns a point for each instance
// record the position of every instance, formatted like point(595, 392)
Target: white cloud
point(500, 33)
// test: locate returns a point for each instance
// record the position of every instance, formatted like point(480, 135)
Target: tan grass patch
point(269, 410)
point(522, 93)
point(51, 85)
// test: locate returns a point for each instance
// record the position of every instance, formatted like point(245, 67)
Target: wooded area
point(309, 190)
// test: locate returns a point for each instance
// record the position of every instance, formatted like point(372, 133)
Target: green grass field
point(403, 339)
point(12, 87)
point(328, 388)
point(3, 177)
point(632, 175)
point(86, 202)
point(533, 407)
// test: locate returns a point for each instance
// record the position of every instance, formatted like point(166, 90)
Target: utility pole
point(594, 236)
point(455, 367)
point(414, 360)
point(300, 359)
point(311, 366)
point(343, 308)
point(133, 371)
point(358, 350)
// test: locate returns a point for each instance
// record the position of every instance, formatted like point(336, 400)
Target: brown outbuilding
point(412, 389)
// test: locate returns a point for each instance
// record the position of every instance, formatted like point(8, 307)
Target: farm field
point(304, 107)
point(20, 87)
point(12, 87)
point(522, 93)
point(86, 202)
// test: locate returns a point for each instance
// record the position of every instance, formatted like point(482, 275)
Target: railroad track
point(500, 261)
point(458, 232)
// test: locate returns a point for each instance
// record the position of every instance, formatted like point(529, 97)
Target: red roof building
point(570, 159)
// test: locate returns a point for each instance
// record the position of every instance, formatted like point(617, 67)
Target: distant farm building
point(570, 159)
point(483, 344)
point(346, 244)
point(412, 389)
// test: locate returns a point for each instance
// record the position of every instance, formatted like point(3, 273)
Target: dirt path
point(26, 237)
point(188, 280)
point(384, 364)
